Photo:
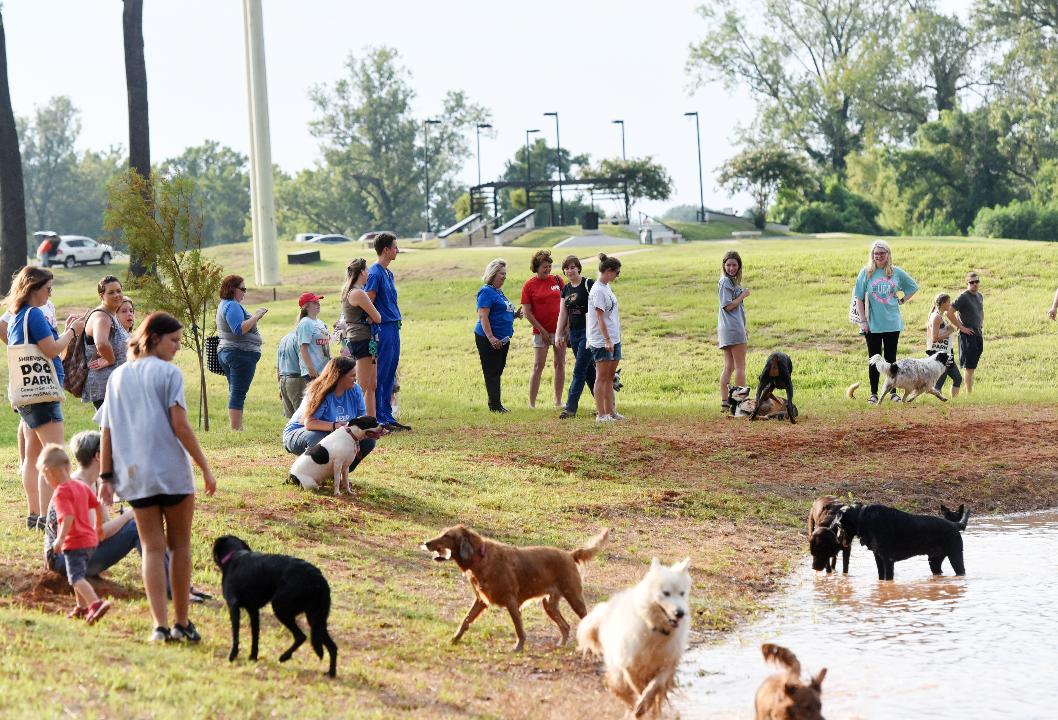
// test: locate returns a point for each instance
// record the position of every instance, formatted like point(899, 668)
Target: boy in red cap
point(313, 338)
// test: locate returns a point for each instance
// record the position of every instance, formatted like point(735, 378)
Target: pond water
point(981, 646)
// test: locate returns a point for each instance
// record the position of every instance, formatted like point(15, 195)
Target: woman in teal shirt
point(876, 291)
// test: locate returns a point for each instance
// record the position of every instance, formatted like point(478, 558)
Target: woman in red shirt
point(541, 300)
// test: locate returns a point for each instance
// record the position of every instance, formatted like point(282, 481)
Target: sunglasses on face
point(243, 288)
point(973, 282)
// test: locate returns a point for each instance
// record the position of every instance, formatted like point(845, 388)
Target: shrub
point(1020, 220)
point(836, 209)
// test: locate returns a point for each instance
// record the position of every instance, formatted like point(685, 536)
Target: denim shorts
point(601, 354)
point(359, 348)
point(76, 564)
point(39, 414)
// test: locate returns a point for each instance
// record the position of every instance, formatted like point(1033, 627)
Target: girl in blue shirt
point(876, 291)
point(331, 400)
point(494, 330)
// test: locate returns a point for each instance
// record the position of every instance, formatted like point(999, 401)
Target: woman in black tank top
point(357, 313)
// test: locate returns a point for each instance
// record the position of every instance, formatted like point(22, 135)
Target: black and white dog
point(893, 535)
point(912, 375)
point(776, 375)
point(251, 580)
point(334, 455)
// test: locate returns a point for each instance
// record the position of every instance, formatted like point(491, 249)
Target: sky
point(592, 61)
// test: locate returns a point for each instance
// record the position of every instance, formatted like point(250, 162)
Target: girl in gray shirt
point(731, 324)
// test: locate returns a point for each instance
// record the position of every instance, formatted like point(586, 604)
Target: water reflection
point(980, 646)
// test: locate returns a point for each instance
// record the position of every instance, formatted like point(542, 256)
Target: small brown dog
point(508, 576)
point(825, 538)
point(785, 696)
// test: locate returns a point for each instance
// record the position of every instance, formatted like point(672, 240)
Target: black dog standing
point(251, 580)
point(776, 375)
point(894, 535)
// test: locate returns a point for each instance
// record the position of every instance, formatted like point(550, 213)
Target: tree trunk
point(12, 192)
point(136, 82)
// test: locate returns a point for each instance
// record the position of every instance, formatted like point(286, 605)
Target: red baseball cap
point(307, 298)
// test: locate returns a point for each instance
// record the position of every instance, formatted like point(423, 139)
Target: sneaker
point(32, 521)
point(402, 426)
point(77, 613)
point(96, 611)
point(197, 596)
point(893, 397)
point(566, 414)
point(42, 523)
point(618, 416)
point(872, 400)
point(160, 634)
point(605, 418)
point(185, 632)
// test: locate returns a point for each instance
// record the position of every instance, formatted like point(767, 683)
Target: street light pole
point(528, 166)
point(558, 158)
point(624, 157)
point(477, 129)
point(701, 185)
point(426, 152)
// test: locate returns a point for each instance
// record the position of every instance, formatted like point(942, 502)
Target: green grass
point(550, 236)
point(718, 228)
point(675, 481)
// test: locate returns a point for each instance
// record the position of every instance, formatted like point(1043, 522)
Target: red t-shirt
point(546, 297)
point(75, 498)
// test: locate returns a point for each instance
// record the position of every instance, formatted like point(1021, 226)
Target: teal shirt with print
point(879, 294)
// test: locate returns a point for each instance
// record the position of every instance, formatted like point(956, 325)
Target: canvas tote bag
point(31, 374)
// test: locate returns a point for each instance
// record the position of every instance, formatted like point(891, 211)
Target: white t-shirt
point(49, 314)
point(148, 457)
point(601, 296)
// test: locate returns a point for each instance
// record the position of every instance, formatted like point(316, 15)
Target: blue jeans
point(583, 370)
point(387, 337)
point(300, 440)
point(239, 366)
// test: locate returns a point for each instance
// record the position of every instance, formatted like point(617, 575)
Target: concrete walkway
point(595, 241)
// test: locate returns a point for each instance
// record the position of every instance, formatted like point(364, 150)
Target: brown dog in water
point(825, 538)
point(784, 696)
point(508, 576)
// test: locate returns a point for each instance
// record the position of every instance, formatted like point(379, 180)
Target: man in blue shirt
point(288, 373)
point(383, 293)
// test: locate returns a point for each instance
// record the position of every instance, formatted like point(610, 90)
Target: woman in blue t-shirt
point(30, 290)
point(879, 308)
point(494, 330)
point(331, 400)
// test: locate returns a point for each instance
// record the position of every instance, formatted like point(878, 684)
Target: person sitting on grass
point(331, 401)
point(76, 538)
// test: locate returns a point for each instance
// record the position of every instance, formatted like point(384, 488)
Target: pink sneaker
point(97, 610)
point(77, 613)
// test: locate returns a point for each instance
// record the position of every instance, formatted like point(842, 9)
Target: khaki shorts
point(538, 341)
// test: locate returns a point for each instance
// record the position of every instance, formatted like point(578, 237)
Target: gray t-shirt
point(971, 308)
point(730, 325)
point(601, 297)
point(148, 457)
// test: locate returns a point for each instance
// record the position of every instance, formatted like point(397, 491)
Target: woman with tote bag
point(35, 376)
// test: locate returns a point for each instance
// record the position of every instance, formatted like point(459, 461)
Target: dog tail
point(781, 657)
point(584, 554)
point(963, 520)
point(850, 391)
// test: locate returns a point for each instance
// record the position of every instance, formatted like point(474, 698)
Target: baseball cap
point(307, 298)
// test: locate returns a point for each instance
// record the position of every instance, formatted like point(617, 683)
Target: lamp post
point(701, 185)
point(528, 166)
point(558, 164)
point(624, 157)
point(426, 152)
point(477, 130)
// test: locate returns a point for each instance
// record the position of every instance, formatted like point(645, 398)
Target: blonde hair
point(27, 281)
point(871, 266)
point(492, 269)
point(53, 455)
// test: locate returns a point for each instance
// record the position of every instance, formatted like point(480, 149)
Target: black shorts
point(158, 500)
point(970, 349)
point(359, 348)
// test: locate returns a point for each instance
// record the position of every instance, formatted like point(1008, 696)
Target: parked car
point(305, 237)
point(75, 250)
point(330, 239)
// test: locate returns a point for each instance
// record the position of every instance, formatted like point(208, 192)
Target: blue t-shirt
point(288, 360)
point(235, 314)
point(38, 327)
point(501, 312)
point(879, 294)
point(334, 408)
point(380, 282)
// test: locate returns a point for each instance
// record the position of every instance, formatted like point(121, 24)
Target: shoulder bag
point(31, 373)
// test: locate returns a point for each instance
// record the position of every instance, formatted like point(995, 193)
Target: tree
point(543, 163)
point(136, 84)
point(321, 199)
point(49, 160)
point(12, 199)
point(807, 66)
point(762, 171)
point(647, 179)
point(222, 189)
point(373, 141)
point(158, 219)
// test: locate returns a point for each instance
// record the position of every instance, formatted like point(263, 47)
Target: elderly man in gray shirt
point(970, 308)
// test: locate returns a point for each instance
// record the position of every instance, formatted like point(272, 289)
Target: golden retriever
point(509, 577)
point(784, 696)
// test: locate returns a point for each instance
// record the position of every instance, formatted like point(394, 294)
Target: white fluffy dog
point(332, 456)
point(641, 634)
point(913, 375)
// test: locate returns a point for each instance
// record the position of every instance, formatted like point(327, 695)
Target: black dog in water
point(251, 580)
point(776, 375)
point(895, 535)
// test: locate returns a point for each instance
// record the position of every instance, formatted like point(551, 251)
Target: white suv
point(78, 250)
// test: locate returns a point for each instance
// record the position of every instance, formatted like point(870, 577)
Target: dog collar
point(224, 560)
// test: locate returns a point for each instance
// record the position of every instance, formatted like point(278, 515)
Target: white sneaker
point(605, 419)
point(618, 416)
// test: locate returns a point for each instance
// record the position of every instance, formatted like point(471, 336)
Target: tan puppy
point(785, 696)
point(508, 576)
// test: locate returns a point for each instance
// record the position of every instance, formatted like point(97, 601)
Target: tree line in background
point(880, 116)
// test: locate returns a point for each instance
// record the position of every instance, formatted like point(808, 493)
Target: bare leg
point(152, 544)
point(29, 474)
point(365, 378)
point(48, 433)
point(84, 590)
point(539, 360)
point(560, 375)
point(738, 354)
point(178, 535)
point(235, 418)
point(725, 374)
point(968, 378)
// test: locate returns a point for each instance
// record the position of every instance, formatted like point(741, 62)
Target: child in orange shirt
point(77, 539)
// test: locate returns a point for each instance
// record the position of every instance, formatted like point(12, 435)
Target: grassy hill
point(675, 480)
point(550, 236)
